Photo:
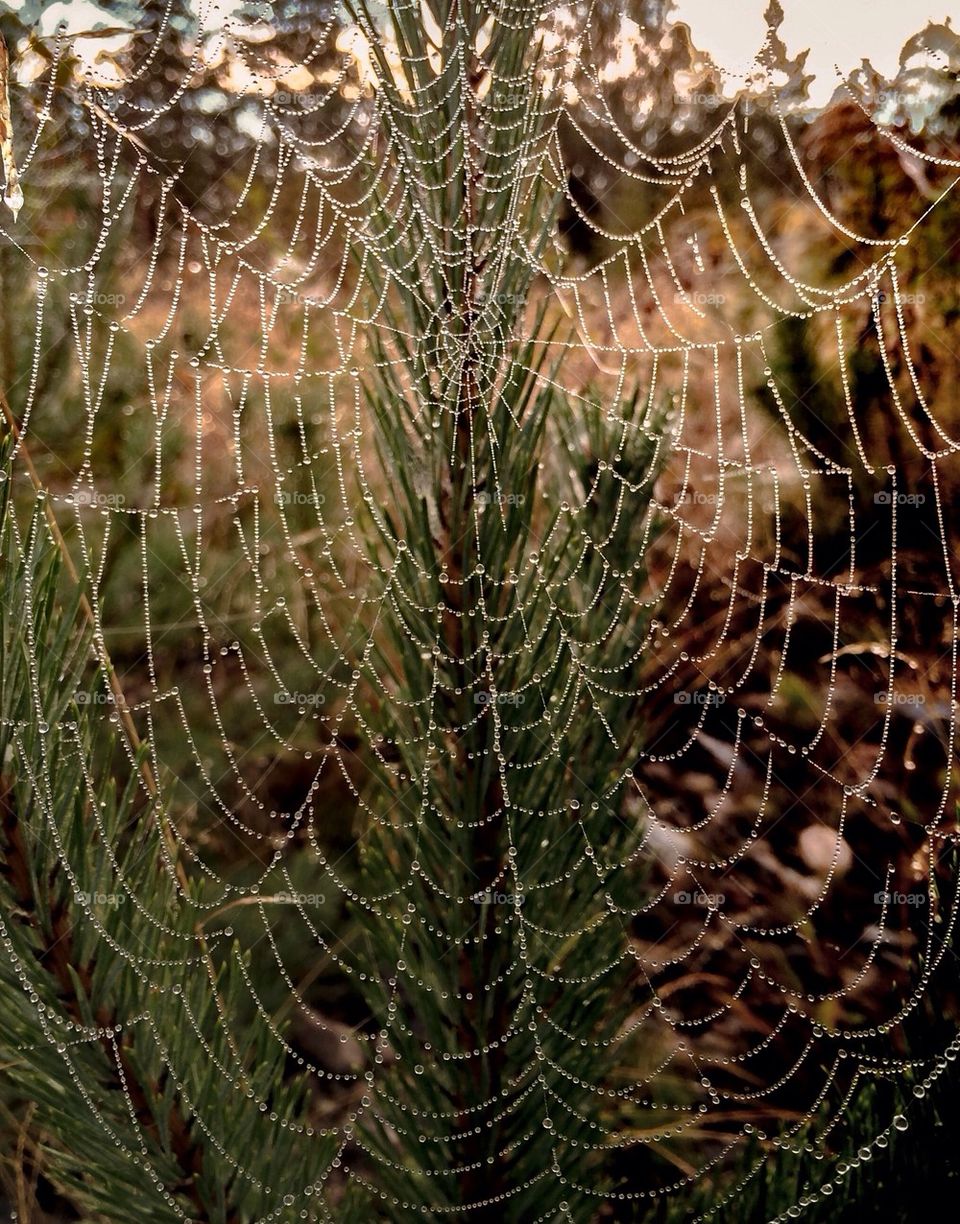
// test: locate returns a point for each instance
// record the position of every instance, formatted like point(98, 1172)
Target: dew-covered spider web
point(427, 495)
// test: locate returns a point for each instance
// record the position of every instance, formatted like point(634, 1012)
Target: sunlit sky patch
point(839, 33)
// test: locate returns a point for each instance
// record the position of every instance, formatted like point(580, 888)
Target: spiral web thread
point(278, 459)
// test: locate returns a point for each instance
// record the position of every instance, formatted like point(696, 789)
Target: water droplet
point(13, 198)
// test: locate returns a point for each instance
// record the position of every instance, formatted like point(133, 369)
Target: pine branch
point(500, 993)
point(107, 1018)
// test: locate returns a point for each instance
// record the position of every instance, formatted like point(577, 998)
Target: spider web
point(234, 542)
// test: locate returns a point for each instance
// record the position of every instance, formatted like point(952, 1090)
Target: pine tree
point(112, 1026)
point(515, 615)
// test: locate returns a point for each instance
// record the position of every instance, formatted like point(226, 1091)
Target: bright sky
point(841, 32)
point(838, 32)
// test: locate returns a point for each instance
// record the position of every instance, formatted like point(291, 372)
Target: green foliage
point(497, 958)
point(111, 1011)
